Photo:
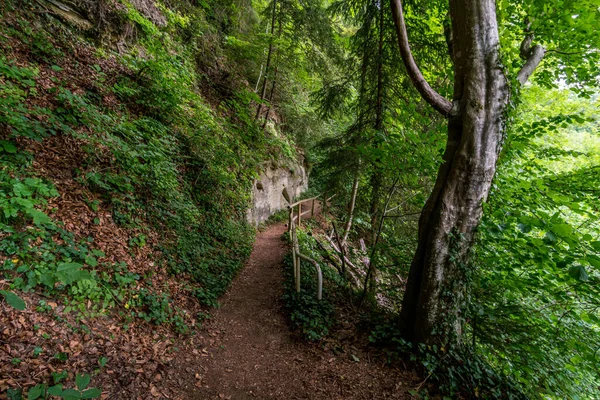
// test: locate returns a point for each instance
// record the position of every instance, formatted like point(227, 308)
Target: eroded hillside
point(128, 148)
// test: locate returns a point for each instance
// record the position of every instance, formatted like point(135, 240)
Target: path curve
point(248, 351)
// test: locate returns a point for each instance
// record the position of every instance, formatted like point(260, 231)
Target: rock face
point(102, 14)
point(266, 193)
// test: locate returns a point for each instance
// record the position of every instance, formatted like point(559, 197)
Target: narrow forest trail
point(247, 350)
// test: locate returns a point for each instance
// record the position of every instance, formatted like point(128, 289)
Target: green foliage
point(567, 32)
point(456, 371)
point(43, 391)
point(313, 318)
point(13, 300)
point(171, 163)
point(170, 144)
point(156, 308)
point(16, 111)
point(535, 311)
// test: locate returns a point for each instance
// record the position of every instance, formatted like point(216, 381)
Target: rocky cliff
point(266, 192)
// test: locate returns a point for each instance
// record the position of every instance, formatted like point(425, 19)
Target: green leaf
point(562, 229)
point(594, 260)
point(13, 300)
point(524, 228)
point(71, 272)
point(71, 394)
point(595, 245)
point(578, 272)
point(36, 392)
point(91, 261)
point(68, 267)
point(23, 202)
point(14, 394)
point(82, 381)
point(8, 146)
point(93, 393)
point(56, 390)
point(39, 218)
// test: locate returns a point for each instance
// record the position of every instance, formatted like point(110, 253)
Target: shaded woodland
point(457, 142)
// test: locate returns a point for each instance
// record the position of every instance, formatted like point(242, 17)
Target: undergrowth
point(152, 150)
point(313, 318)
point(456, 371)
point(450, 372)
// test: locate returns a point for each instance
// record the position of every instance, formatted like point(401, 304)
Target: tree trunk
point(263, 91)
point(377, 176)
point(352, 206)
point(432, 308)
point(273, 86)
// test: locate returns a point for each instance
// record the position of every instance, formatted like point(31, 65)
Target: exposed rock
point(69, 12)
point(267, 195)
point(149, 10)
point(86, 14)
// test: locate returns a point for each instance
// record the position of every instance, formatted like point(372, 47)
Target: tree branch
point(532, 56)
point(437, 101)
point(535, 57)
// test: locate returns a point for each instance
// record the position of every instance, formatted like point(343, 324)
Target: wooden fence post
point(298, 274)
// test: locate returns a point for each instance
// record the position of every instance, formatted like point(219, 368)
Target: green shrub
point(313, 318)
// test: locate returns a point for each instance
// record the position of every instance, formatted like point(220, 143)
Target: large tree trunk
point(377, 176)
point(432, 308)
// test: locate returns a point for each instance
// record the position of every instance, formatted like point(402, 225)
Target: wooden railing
point(298, 217)
point(296, 255)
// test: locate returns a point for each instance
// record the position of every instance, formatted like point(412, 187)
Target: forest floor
point(248, 350)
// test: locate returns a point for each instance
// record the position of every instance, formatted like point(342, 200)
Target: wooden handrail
point(296, 255)
point(303, 201)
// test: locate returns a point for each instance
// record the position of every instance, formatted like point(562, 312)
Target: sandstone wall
point(266, 192)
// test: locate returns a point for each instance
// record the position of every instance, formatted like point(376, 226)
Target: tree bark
point(263, 91)
point(377, 176)
point(352, 206)
point(273, 86)
point(432, 308)
point(437, 101)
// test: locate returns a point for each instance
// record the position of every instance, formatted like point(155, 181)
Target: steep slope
point(127, 155)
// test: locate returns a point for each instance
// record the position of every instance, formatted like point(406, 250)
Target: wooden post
point(299, 213)
point(297, 256)
point(293, 253)
point(290, 219)
point(297, 274)
point(295, 262)
point(312, 210)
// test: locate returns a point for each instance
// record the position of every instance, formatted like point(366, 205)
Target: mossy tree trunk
point(432, 308)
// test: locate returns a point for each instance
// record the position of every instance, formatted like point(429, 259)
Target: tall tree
point(263, 91)
point(436, 288)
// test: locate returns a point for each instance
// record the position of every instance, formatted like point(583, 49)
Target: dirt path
point(248, 351)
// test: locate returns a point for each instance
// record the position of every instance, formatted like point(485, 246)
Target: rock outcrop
point(266, 192)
